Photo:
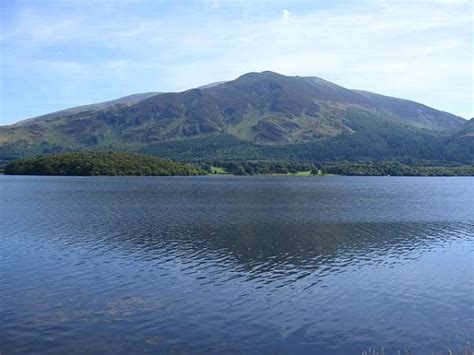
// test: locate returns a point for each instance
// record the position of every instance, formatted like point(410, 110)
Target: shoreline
point(239, 176)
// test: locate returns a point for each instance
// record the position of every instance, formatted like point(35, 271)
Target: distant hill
point(258, 115)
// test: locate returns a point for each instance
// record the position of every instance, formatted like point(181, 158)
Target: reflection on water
point(235, 264)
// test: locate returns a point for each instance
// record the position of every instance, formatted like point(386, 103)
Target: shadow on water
point(261, 247)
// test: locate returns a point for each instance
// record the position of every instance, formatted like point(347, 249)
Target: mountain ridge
point(124, 100)
point(267, 109)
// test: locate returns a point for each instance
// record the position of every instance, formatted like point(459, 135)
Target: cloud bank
point(57, 54)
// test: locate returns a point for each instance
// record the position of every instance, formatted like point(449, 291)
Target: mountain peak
point(259, 75)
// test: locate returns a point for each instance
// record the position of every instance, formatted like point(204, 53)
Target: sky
point(56, 54)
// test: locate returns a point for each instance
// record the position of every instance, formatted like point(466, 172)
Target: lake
point(236, 264)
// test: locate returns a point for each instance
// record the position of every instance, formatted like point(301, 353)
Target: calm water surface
point(229, 264)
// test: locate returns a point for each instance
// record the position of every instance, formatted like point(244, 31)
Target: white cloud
point(285, 14)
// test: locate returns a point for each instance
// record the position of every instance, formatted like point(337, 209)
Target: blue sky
point(61, 53)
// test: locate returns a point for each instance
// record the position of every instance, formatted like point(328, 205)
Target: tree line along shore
point(92, 163)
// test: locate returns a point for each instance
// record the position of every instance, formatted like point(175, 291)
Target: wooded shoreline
point(127, 164)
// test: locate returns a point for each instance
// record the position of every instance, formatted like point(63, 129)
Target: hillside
point(122, 101)
point(262, 112)
point(96, 163)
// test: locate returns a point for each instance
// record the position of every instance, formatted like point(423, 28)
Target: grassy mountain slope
point(371, 140)
point(122, 101)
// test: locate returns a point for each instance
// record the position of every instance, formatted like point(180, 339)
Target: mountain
point(122, 101)
point(256, 116)
point(467, 130)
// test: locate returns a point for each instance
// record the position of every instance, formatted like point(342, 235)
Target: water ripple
point(235, 265)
